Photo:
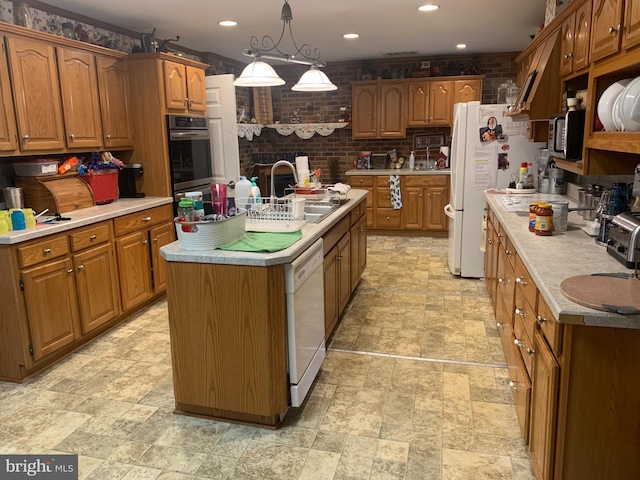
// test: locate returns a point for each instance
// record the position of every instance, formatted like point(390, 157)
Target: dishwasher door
point(305, 320)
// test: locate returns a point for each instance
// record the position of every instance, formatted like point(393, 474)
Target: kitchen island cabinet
point(572, 369)
point(228, 321)
point(60, 286)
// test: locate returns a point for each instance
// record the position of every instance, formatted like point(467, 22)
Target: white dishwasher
point(305, 320)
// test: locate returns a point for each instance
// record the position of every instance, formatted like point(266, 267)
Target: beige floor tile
point(462, 465)
point(320, 465)
point(270, 461)
point(174, 459)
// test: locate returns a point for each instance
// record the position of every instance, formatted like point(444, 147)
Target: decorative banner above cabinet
point(302, 130)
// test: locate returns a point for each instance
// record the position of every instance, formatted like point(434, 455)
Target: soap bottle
point(412, 161)
point(255, 191)
point(17, 219)
point(29, 217)
point(243, 192)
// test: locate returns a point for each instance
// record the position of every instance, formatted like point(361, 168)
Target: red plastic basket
point(103, 184)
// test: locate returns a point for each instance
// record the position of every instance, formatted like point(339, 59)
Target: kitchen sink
point(318, 211)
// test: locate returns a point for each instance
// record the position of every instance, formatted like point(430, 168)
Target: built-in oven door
point(190, 158)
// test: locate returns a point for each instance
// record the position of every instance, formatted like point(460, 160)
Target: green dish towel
point(263, 241)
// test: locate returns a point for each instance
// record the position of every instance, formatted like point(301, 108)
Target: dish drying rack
point(275, 214)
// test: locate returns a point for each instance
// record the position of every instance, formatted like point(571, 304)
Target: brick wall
point(340, 147)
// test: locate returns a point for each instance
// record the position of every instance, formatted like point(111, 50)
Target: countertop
point(552, 259)
point(85, 216)
point(395, 171)
point(310, 233)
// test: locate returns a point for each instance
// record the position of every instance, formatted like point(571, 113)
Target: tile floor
point(413, 387)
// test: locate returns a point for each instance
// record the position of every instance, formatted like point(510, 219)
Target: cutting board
point(593, 291)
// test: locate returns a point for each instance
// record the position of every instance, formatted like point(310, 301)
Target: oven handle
point(190, 135)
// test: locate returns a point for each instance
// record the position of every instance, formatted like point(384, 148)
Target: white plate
point(615, 113)
point(629, 106)
point(605, 104)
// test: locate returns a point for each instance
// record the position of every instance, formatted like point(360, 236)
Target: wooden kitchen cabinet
point(358, 240)
point(379, 109)
point(184, 88)
point(8, 134)
point(491, 262)
point(574, 40)
point(607, 28)
point(160, 236)
point(113, 85)
point(423, 201)
point(337, 282)
point(430, 102)
point(434, 216)
point(80, 98)
point(34, 76)
point(466, 91)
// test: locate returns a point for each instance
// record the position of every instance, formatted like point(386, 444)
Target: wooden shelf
point(628, 142)
point(574, 167)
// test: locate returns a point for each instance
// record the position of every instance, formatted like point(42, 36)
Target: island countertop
point(310, 233)
point(550, 260)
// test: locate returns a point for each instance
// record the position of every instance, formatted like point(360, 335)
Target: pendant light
point(260, 74)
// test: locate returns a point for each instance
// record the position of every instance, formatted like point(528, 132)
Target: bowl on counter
point(36, 168)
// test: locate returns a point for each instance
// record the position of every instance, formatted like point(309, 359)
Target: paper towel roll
point(302, 163)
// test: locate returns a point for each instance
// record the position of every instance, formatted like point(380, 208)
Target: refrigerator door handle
point(449, 212)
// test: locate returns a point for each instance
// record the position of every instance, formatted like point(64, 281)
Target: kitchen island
point(573, 370)
point(228, 317)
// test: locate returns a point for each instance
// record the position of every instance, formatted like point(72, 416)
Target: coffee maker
point(127, 180)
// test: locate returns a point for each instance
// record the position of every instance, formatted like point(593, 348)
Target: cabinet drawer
point(388, 218)
point(332, 236)
point(383, 197)
point(361, 181)
point(525, 284)
point(357, 212)
point(425, 181)
point(146, 218)
point(524, 310)
point(522, 342)
point(90, 236)
point(551, 329)
point(51, 247)
point(510, 252)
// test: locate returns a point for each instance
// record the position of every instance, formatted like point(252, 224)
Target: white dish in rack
point(629, 106)
point(607, 101)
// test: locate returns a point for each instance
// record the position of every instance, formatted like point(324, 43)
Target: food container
point(210, 235)
point(36, 168)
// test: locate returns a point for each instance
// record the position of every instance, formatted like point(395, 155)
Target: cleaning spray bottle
point(255, 191)
point(243, 192)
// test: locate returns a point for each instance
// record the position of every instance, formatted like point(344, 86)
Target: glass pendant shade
point(258, 74)
point(314, 80)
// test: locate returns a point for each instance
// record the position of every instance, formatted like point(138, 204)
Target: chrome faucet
point(273, 169)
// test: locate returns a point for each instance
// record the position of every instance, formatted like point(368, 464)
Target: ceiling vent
point(400, 54)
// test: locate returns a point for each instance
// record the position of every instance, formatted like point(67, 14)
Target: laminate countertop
point(310, 233)
point(395, 171)
point(84, 216)
point(550, 260)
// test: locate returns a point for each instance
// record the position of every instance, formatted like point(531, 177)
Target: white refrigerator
point(487, 150)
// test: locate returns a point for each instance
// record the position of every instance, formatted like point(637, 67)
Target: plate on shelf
point(606, 103)
point(629, 106)
point(615, 113)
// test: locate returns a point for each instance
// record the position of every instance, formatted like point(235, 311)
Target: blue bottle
point(17, 219)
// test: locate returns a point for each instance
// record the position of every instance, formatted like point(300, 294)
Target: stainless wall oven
point(190, 155)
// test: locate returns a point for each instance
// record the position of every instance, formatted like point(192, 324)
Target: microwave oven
point(566, 135)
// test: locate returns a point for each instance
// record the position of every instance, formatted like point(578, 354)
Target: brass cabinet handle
point(80, 267)
point(567, 56)
point(108, 137)
point(146, 219)
point(25, 137)
point(70, 270)
point(388, 218)
point(508, 252)
point(155, 239)
point(613, 30)
point(512, 385)
point(503, 281)
point(520, 312)
point(361, 229)
point(92, 237)
point(145, 242)
point(540, 320)
point(47, 251)
point(499, 325)
point(72, 136)
point(420, 194)
point(522, 345)
point(521, 282)
point(490, 242)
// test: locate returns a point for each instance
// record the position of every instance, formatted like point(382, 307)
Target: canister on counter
point(560, 215)
point(544, 220)
point(556, 181)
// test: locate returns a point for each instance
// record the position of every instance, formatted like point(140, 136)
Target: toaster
point(624, 239)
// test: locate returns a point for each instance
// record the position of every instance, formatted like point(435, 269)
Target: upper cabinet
point(631, 34)
point(34, 76)
point(184, 88)
point(574, 40)
point(113, 84)
point(8, 135)
point(80, 99)
point(379, 109)
point(616, 26)
point(430, 102)
point(467, 91)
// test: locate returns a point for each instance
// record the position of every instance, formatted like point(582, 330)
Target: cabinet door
point(175, 87)
point(544, 404)
point(331, 304)
point(567, 33)
point(365, 107)
point(134, 268)
point(413, 208)
point(97, 284)
point(196, 92)
point(8, 135)
point(434, 202)
point(466, 91)
point(362, 245)
point(418, 103)
point(582, 36)
point(52, 306)
point(80, 100)
point(354, 268)
point(605, 37)
point(160, 236)
point(440, 109)
point(344, 271)
point(113, 84)
point(392, 119)
point(491, 262)
point(631, 35)
point(34, 75)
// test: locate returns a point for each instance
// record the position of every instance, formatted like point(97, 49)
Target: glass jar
point(544, 220)
point(533, 210)
point(22, 14)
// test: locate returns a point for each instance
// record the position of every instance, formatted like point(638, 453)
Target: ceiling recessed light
point(428, 7)
point(351, 35)
point(461, 46)
point(227, 23)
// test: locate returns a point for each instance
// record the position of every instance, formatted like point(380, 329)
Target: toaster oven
point(566, 135)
